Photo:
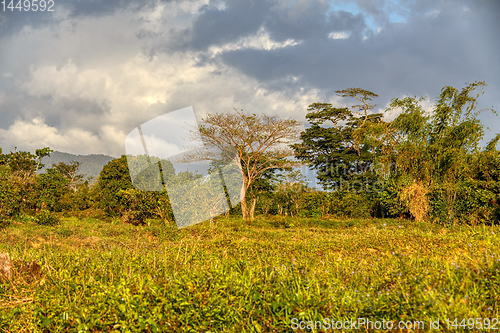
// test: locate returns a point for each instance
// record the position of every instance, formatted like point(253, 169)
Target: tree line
point(420, 165)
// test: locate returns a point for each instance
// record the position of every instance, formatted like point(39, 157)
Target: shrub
point(469, 202)
point(47, 218)
point(133, 217)
point(281, 222)
point(4, 222)
point(314, 204)
point(23, 218)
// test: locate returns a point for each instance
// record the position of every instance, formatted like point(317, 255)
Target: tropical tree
point(52, 189)
point(436, 154)
point(114, 177)
point(70, 172)
point(19, 182)
point(256, 142)
point(335, 144)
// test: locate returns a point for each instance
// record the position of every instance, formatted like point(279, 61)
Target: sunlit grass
point(105, 276)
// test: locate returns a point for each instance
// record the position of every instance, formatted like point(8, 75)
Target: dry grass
point(416, 200)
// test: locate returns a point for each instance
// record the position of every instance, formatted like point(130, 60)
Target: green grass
point(106, 276)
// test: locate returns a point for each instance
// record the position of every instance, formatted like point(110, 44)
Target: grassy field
point(231, 277)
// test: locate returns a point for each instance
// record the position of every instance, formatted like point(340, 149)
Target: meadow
point(106, 276)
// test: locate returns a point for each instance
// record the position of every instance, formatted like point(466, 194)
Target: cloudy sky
point(81, 77)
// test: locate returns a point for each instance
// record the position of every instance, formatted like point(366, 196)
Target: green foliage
point(23, 161)
point(23, 218)
point(17, 192)
point(340, 152)
point(320, 204)
point(391, 205)
point(113, 178)
point(281, 222)
point(18, 182)
point(83, 198)
point(53, 189)
point(70, 172)
point(442, 152)
point(142, 205)
point(314, 204)
point(48, 218)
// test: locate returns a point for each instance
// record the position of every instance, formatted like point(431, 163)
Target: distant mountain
point(91, 165)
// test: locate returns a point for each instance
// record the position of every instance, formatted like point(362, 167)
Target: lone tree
point(259, 142)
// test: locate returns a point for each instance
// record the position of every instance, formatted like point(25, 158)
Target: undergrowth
point(233, 277)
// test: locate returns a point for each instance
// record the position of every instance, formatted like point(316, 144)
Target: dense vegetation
point(423, 166)
point(406, 229)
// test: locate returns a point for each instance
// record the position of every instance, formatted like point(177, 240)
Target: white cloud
point(67, 82)
point(259, 41)
point(339, 35)
point(36, 134)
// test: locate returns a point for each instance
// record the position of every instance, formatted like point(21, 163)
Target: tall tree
point(18, 177)
point(114, 177)
point(439, 152)
point(257, 141)
point(70, 172)
point(434, 148)
point(335, 144)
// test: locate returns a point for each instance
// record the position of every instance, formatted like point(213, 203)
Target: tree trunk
point(244, 209)
point(243, 197)
point(252, 209)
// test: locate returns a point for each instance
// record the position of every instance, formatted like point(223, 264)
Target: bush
point(281, 222)
point(23, 218)
point(133, 217)
point(4, 222)
point(314, 204)
point(47, 218)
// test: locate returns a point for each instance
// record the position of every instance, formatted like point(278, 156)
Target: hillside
point(91, 165)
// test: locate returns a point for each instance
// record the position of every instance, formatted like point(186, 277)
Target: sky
point(80, 78)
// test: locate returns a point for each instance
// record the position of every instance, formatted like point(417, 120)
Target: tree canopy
point(258, 142)
point(335, 144)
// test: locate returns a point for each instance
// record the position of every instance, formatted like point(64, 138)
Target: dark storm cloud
point(302, 20)
point(446, 44)
point(319, 64)
point(60, 113)
point(219, 26)
point(310, 21)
